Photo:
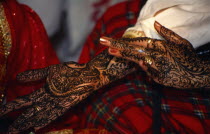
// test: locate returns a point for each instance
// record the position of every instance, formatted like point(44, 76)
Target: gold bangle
point(133, 34)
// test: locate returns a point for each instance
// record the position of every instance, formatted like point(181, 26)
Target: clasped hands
point(172, 62)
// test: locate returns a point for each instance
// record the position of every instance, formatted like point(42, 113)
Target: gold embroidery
point(5, 32)
point(5, 47)
point(65, 131)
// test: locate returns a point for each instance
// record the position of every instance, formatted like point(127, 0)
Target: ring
point(149, 41)
point(37, 108)
point(148, 60)
point(141, 50)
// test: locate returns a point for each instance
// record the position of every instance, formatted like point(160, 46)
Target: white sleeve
point(188, 18)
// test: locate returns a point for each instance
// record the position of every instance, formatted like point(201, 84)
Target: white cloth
point(188, 18)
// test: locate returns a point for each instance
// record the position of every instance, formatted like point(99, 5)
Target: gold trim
point(133, 34)
point(65, 131)
point(5, 32)
point(5, 47)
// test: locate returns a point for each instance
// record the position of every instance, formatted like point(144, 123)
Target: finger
point(23, 121)
point(22, 101)
point(168, 34)
point(118, 44)
point(143, 65)
point(75, 65)
point(30, 117)
point(15, 105)
point(33, 75)
point(56, 108)
point(125, 54)
point(135, 44)
point(133, 54)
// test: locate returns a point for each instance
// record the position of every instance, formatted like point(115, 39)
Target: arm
point(67, 84)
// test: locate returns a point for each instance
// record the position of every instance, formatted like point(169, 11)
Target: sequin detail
point(5, 47)
point(5, 32)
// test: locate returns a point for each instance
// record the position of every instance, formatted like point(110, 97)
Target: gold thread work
point(5, 47)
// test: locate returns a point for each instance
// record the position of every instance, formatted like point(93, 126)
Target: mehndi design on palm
point(66, 85)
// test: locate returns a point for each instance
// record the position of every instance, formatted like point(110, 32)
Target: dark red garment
point(30, 49)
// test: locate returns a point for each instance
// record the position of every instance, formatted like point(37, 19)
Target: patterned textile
point(113, 23)
point(5, 47)
point(117, 19)
point(135, 104)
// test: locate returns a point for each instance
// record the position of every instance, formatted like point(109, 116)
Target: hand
point(66, 85)
point(171, 62)
point(44, 104)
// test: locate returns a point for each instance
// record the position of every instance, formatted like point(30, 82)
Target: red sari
point(27, 47)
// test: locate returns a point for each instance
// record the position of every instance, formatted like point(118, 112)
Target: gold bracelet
point(133, 34)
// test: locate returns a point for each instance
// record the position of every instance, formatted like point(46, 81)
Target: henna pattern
point(175, 62)
point(66, 85)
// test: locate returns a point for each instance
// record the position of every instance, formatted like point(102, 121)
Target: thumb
point(33, 75)
point(168, 34)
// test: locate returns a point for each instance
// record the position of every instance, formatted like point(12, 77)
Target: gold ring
point(37, 108)
point(148, 59)
point(149, 42)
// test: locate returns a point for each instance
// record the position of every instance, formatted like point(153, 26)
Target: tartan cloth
point(113, 23)
point(128, 105)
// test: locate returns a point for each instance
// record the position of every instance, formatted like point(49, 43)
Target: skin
point(174, 60)
point(66, 85)
point(174, 63)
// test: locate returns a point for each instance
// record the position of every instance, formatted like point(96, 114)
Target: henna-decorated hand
point(171, 62)
point(66, 85)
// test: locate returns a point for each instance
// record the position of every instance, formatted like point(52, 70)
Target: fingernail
point(111, 50)
point(104, 40)
point(157, 24)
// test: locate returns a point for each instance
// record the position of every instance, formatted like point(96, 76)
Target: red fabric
point(91, 131)
point(127, 106)
point(113, 23)
point(31, 48)
point(75, 118)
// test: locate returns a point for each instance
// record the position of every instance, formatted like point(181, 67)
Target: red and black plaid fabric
point(129, 105)
point(113, 23)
